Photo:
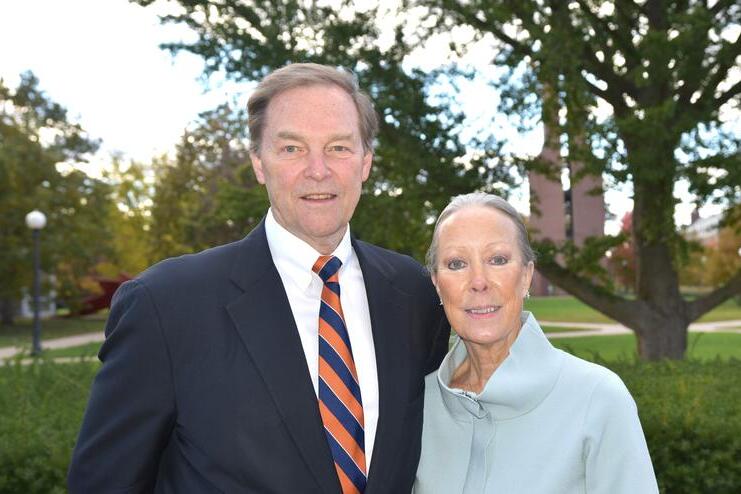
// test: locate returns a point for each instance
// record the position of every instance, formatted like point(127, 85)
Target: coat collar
point(521, 383)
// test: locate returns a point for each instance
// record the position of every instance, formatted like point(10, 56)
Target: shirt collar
point(293, 257)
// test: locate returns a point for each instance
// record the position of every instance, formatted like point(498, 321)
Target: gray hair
point(484, 200)
point(309, 74)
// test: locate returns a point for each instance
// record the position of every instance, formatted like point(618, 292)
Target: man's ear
point(367, 161)
point(257, 167)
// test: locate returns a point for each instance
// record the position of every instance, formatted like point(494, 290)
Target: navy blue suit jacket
point(204, 385)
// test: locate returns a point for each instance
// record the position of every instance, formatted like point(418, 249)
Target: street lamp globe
point(35, 220)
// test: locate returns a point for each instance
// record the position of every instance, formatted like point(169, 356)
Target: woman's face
point(481, 278)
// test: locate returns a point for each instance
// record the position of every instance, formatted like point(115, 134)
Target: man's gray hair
point(309, 74)
point(484, 200)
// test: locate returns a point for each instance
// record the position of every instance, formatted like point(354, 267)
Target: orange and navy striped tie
point(339, 393)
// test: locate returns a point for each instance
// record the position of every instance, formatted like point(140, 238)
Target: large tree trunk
point(662, 328)
point(7, 311)
point(666, 339)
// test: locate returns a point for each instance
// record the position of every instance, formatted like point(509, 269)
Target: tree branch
point(627, 312)
point(734, 90)
point(698, 307)
point(477, 23)
point(720, 5)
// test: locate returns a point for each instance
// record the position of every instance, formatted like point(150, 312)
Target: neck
point(325, 246)
point(481, 361)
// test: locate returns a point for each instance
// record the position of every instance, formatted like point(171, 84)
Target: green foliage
point(665, 71)
point(36, 142)
point(690, 416)
point(130, 221)
point(417, 163)
point(207, 194)
point(689, 412)
point(42, 408)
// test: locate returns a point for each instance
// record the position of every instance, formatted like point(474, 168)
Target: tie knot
point(326, 267)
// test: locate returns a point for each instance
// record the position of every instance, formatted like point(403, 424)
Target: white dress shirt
point(294, 259)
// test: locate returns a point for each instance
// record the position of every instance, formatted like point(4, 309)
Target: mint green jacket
point(545, 423)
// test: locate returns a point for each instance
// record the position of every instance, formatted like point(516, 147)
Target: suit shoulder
point(400, 264)
point(190, 270)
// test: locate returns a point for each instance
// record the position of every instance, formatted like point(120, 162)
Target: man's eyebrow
point(285, 134)
point(341, 137)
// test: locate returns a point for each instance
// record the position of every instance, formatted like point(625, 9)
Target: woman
point(507, 412)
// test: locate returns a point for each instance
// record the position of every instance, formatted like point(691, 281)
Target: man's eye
point(339, 149)
point(290, 149)
point(456, 264)
point(498, 260)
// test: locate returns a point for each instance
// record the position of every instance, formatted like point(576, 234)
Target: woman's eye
point(498, 260)
point(456, 264)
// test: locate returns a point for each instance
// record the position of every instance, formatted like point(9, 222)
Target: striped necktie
point(339, 393)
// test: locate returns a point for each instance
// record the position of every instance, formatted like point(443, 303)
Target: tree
point(661, 66)
point(206, 195)
point(664, 68)
point(130, 221)
point(418, 161)
point(35, 139)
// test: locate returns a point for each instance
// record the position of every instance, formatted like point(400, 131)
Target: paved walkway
point(599, 329)
point(587, 329)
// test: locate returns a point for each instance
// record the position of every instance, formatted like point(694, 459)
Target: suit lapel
point(263, 318)
point(389, 315)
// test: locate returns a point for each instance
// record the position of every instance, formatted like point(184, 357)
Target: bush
point(41, 407)
point(690, 411)
point(691, 415)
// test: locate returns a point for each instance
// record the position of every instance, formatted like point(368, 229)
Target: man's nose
point(316, 165)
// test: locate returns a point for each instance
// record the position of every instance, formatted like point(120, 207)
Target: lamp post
point(36, 220)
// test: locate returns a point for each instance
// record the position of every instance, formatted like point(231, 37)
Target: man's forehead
point(316, 109)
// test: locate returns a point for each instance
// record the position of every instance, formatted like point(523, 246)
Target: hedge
point(691, 415)
point(690, 411)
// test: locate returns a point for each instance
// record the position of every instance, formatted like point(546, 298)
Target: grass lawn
point(701, 346)
point(87, 350)
point(555, 329)
point(572, 310)
point(21, 332)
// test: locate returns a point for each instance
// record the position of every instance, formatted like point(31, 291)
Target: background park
point(626, 109)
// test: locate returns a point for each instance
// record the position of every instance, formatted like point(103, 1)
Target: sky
point(101, 60)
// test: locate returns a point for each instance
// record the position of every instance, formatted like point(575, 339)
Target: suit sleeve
point(131, 410)
point(616, 455)
point(441, 337)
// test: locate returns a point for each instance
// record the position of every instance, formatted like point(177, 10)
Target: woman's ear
point(529, 270)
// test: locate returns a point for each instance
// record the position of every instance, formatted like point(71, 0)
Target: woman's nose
point(478, 280)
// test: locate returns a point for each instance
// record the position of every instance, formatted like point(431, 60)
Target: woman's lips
point(482, 312)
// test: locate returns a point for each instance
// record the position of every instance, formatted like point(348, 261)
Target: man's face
point(312, 162)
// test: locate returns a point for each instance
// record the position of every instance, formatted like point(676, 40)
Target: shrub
point(691, 415)
point(690, 411)
point(41, 407)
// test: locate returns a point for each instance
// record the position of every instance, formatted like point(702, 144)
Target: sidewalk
point(601, 329)
point(65, 342)
point(589, 329)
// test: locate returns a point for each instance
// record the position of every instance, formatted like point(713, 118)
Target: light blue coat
point(545, 423)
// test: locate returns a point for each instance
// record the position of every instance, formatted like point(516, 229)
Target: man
point(291, 361)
